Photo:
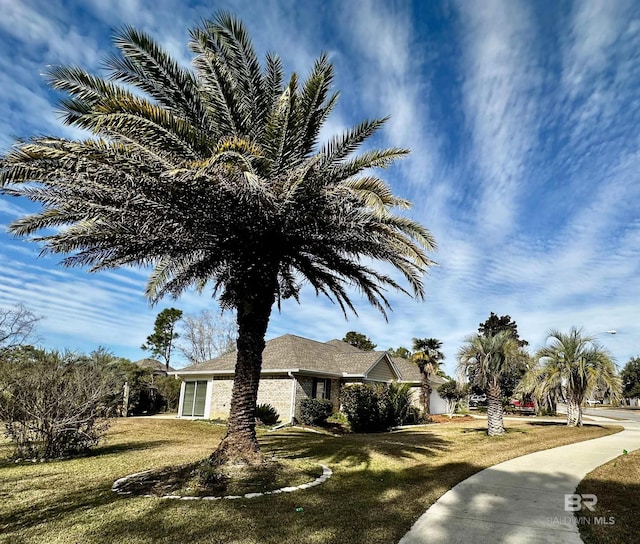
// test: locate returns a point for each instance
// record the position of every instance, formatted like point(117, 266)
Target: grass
point(617, 486)
point(381, 484)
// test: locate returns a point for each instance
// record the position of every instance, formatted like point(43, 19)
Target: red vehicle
point(524, 406)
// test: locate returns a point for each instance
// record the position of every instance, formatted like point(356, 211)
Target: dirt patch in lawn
point(442, 418)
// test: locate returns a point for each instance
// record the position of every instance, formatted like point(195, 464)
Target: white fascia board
point(307, 372)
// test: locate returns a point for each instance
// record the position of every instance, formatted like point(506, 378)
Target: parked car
point(593, 402)
point(477, 400)
point(523, 406)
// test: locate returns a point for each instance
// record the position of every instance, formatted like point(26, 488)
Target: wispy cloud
point(501, 83)
point(522, 119)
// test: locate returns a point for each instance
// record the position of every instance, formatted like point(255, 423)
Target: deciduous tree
point(204, 336)
point(630, 377)
point(17, 325)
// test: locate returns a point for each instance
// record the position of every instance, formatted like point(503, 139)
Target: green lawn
point(381, 484)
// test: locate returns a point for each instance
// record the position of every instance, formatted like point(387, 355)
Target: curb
point(326, 474)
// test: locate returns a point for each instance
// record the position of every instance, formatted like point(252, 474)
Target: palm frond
point(146, 66)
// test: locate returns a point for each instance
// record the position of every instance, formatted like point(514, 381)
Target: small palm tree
point(215, 176)
point(487, 359)
point(576, 364)
point(428, 357)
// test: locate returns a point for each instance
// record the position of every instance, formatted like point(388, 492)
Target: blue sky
point(523, 122)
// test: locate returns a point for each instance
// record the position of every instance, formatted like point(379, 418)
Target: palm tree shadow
point(354, 449)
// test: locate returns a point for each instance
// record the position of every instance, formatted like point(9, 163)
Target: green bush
point(267, 414)
point(367, 407)
point(399, 404)
point(378, 407)
point(315, 411)
point(169, 391)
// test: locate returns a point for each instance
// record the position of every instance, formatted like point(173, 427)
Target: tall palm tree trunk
point(425, 393)
point(240, 444)
point(495, 423)
point(574, 412)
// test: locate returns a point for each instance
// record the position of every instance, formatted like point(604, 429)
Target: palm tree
point(214, 177)
point(545, 392)
point(576, 364)
point(428, 357)
point(487, 359)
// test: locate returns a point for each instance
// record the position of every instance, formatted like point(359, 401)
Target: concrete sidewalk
point(521, 500)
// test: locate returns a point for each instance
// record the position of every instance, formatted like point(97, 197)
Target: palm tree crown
point(575, 364)
point(214, 176)
point(428, 357)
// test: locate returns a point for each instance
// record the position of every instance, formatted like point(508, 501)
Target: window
point(195, 394)
point(321, 388)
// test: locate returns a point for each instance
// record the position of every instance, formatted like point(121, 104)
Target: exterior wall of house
point(273, 390)
point(304, 389)
point(437, 405)
point(381, 372)
point(221, 397)
point(277, 391)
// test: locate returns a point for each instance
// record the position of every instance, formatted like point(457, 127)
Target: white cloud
point(500, 88)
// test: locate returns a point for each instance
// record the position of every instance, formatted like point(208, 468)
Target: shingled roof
point(410, 372)
point(153, 364)
point(290, 352)
point(335, 357)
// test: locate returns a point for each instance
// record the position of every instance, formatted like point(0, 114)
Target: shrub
point(399, 404)
point(367, 407)
point(415, 416)
point(267, 414)
point(453, 393)
point(52, 404)
point(378, 407)
point(315, 411)
point(169, 392)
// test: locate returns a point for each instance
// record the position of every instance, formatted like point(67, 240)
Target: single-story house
point(294, 368)
point(156, 367)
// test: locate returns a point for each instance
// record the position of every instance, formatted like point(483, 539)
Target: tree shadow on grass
point(44, 510)
point(112, 449)
point(354, 449)
point(360, 507)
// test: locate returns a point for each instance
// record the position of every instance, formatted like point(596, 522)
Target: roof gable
point(383, 370)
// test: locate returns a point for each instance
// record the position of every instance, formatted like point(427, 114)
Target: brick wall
point(304, 389)
point(274, 390)
point(221, 398)
point(277, 392)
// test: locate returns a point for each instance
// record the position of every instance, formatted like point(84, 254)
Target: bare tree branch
point(206, 336)
point(17, 325)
